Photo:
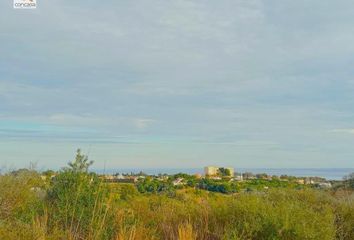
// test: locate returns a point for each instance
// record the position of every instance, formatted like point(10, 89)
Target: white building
point(178, 181)
point(211, 171)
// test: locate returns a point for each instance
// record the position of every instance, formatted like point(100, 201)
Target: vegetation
point(224, 172)
point(349, 180)
point(75, 204)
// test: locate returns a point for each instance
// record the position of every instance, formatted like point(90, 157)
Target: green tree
point(48, 173)
point(224, 172)
point(78, 201)
point(81, 162)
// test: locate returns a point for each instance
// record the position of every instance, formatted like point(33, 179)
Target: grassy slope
point(79, 206)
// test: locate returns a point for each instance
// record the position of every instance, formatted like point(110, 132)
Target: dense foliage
point(75, 204)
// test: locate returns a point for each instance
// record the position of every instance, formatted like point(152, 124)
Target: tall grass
point(78, 206)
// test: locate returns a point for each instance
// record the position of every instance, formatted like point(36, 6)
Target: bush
point(21, 195)
point(344, 210)
point(79, 203)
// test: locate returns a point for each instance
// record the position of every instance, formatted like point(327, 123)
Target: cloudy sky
point(178, 83)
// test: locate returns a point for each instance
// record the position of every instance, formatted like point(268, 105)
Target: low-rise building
point(238, 178)
point(178, 181)
point(325, 185)
point(300, 181)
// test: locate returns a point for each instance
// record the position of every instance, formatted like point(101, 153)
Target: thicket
point(76, 204)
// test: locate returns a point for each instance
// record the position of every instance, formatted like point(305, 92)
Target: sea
point(327, 173)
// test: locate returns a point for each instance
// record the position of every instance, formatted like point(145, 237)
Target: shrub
point(79, 203)
point(20, 195)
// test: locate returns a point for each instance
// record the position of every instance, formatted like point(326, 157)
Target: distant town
point(215, 179)
point(216, 173)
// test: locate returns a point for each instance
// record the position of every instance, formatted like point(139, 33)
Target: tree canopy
point(81, 162)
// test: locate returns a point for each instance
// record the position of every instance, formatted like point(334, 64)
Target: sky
point(178, 83)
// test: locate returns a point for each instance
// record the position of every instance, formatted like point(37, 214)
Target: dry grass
point(185, 232)
point(88, 212)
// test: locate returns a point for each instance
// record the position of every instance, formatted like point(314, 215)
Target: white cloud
point(343, 130)
point(230, 71)
point(143, 123)
point(70, 119)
